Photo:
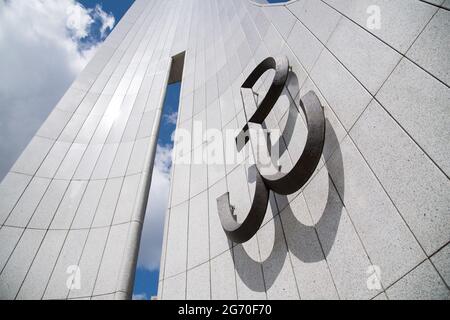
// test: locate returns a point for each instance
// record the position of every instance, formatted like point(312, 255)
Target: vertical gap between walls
point(147, 270)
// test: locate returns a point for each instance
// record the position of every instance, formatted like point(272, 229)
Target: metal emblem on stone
point(272, 178)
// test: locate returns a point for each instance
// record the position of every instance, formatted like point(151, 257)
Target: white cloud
point(106, 20)
point(152, 233)
point(171, 118)
point(140, 296)
point(43, 47)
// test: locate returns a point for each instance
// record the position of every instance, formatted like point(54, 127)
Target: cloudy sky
point(44, 44)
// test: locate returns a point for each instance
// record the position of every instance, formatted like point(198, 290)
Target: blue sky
point(62, 38)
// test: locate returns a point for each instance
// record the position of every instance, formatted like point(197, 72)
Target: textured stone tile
point(223, 281)
point(276, 263)
point(14, 272)
point(367, 58)
point(304, 45)
point(68, 206)
point(387, 239)
point(119, 166)
point(249, 275)
point(346, 97)
point(53, 159)
point(127, 199)
point(24, 209)
point(106, 206)
point(416, 186)
point(441, 261)
point(198, 283)
point(54, 124)
point(138, 156)
point(401, 21)
point(421, 283)
point(180, 181)
point(105, 161)
point(33, 155)
point(88, 162)
point(218, 239)
point(198, 234)
point(431, 49)
point(88, 205)
point(313, 277)
point(90, 262)
point(65, 268)
point(11, 188)
point(318, 17)
point(70, 163)
point(108, 274)
point(282, 18)
point(420, 104)
point(46, 210)
point(175, 288)
point(9, 236)
point(176, 255)
point(345, 254)
point(39, 274)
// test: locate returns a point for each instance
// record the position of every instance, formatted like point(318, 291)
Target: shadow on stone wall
point(303, 239)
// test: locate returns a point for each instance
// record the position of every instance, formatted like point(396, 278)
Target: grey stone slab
point(88, 102)
point(138, 155)
point(304, 45)
point(199, 173)
point(318, 17)
point(53, 159)
point(105, 161)
point(71, 99)
point(198, 283)
point(88, 162)
point(9, 236)
point(431, 49)
point(176, 254)
point(386, 237)
point(147, 125)
point(14, 272)
point(223, 281)
point(198, 234)
point(46, 210)
point(421, 283)
point(70, 163)
point(69, 205)
point(420, 104)
point(88, 128)
point(313, 277)
point(276, 263)
point(400, 21)
point(346, 97)
point(107, 206)
point(54, 124)
point(39, 274)
point(416, 186)
point(72, 128)
point(28, 203)
point(249, 274)
point(367, 58)
point(282, 18)
point(11, 189)
point(441, 261)
point(120, 163)
point(127, 199)
point(88, 205)
point(175, 287)
point(64, 274)
point(33, 155)
point(218, 241)
point(345, 254)
point(90, 262)
point(181, 179)
point(108, 273)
